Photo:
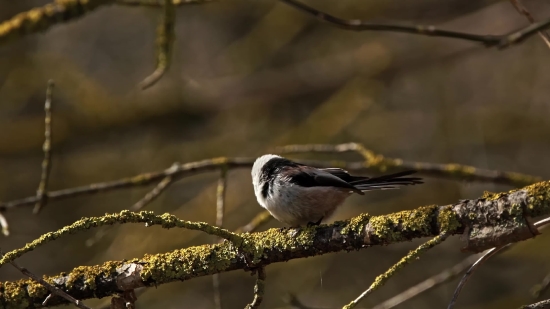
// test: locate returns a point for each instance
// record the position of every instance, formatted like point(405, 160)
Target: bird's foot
point(310, 224)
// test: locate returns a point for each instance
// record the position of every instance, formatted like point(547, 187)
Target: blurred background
point(247, 76)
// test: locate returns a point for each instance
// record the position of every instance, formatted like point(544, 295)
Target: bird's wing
point(307, 176)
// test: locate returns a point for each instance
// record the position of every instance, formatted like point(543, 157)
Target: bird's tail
point(385, 182)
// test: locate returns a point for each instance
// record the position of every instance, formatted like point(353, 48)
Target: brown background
point(250, 75)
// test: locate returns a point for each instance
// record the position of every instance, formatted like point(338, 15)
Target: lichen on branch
point(248, 251)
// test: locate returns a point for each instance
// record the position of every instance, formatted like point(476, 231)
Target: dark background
point(250, 75)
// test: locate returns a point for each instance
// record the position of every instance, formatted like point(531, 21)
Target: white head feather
point(257, 173)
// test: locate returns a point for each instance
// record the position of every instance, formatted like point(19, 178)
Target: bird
point(297, 194)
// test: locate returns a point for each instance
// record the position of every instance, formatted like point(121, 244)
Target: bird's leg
point(310, 224)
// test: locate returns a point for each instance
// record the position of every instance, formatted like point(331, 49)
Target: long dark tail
point(385, 182)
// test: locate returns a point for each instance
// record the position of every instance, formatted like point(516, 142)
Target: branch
point(166, 221)
point(545, 304)
point(487, 255)
point(165, 41)
point(378, 163)
point(381, 280)
point(42, 18)
point(51, 288)
point(540, 288)
point(220, 210)
point(490, 221)
point(159, 3)
point(258, 290)
point(41, 193)
point(148, 198)
point(500, 41)
point(430, 283)
point(374, 163)
point(523, 10)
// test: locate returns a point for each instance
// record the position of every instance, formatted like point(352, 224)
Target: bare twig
point(500, 41)
point(489, 253)
point(378, 163)
point(158, 3)
point(259, 289)
point(148, 198)
point(540, 288)
point(220, 209)
point(545, 304)
point(51, 288)
point(430, 283)
point(523, 10)
point(383, 164)
point(41, 193)
point(165, 41)
point(381, 280)
point(153, 194)
point(256, 222)
point(4, 224)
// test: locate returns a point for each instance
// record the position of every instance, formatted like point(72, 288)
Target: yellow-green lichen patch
point(15, 293)
point(538, 201)
point(255, 243)
point(447, 219)
point(88, 274)
point(186, 263)
point(356, 224)
point(37, 290)
point(390, 228)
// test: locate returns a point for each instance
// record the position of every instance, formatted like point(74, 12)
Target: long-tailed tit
point(297, 194)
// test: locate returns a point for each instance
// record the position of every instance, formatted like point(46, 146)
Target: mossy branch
point(42, 18)
point(489, 221)
point(149, 218)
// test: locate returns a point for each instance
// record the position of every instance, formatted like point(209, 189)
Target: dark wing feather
point(390, 181)
point(306, 176)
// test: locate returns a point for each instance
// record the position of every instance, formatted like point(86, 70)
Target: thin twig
point(430, 283)
point(41, 193)
point(489, 253)
point(220, 210)
point(545, 304)
point(259, 289)
point(500, 41)
point(256, 222)
point(381, 280)
point(540, 288)
point(379, 164)
point(383, 164)
point(147, 199)
point(523, 10)
point(159, 3)
point(165, 42)
point(156, 192)
point(4, 224)
point(51, 288)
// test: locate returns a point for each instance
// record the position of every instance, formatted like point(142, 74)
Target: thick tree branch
point(490, 221)
point(374, 163)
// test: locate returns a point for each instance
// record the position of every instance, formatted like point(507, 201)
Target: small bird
point(297, 194)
